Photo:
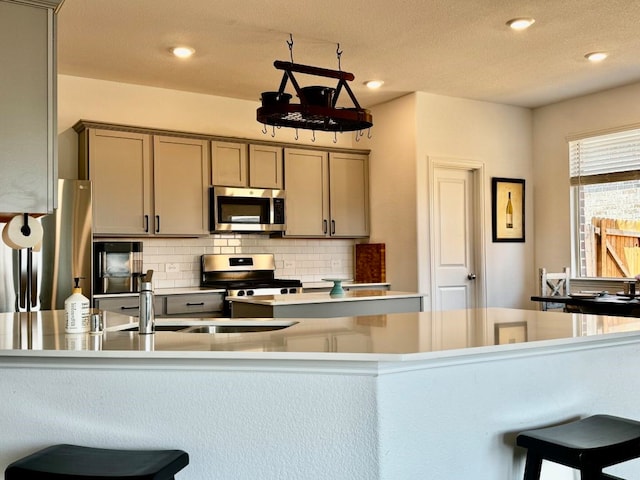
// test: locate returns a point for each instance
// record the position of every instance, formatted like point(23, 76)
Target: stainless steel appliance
point(244, 275)
point(117, 267)
point(33, 280)
point(246, 210)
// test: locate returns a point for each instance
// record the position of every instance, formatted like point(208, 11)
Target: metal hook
point(313, 138)
point(339, 54)
point(264, 128)
point(273, 134)
point(357, 136)
point(296, 137)
point(369, 133)
point(335, 137)
point(290, 43)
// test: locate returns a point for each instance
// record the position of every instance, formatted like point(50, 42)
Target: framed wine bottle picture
point(507, 196)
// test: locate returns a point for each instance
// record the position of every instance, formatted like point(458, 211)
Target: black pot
point(318, 95)
point(275, 98)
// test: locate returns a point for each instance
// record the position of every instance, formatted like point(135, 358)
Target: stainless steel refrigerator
point(41, 279)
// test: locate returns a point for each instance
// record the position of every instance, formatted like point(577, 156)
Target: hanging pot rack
point(313, 113)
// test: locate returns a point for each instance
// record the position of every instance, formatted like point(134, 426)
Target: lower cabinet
point(177, 305)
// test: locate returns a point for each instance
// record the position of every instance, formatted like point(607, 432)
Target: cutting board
point(370, 263)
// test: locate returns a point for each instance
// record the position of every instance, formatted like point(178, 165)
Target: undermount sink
point(216, 326)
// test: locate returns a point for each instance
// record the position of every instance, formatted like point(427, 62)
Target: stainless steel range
point(245, 275)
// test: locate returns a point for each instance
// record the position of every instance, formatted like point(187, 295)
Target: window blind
point(605, 158)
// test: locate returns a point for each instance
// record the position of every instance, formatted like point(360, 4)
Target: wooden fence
point(612, 248)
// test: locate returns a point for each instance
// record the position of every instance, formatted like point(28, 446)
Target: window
point(605, 185)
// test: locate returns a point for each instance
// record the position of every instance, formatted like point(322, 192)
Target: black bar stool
point(588, 445)
point(60, 462)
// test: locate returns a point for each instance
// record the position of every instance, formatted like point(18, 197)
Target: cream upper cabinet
point(229, 164)
point(307, 191)
point(349, 195)
point(265, 166)
point(327, 194)
point(145, 185)
point(242, 165)
point(119, 167)
point(181, 186)
point(28, 133)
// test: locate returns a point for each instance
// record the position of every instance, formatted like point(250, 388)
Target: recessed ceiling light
point(182, 52)
point(373, 84)
point(520, 23)
point(596, 56)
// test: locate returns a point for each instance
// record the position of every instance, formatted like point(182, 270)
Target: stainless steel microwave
point(246, 210)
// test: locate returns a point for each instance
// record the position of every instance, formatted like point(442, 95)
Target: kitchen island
point(396, 396)
point(323, 304)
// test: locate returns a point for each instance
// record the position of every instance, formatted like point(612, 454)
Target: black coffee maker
point(117, 267)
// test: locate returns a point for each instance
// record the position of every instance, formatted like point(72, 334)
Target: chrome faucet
point(146, 321)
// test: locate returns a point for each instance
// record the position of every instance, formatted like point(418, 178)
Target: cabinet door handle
point(200, 304)
point(129, 308)
point(157, 223)
point(324, 227)
point(146, 224)
point(333, 227)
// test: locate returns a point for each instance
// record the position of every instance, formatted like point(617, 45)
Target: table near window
point(618, 305)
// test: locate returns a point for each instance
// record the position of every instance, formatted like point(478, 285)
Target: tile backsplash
point(176, 261)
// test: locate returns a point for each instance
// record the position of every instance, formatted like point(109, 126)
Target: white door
point(454, 250)
point(458, 252)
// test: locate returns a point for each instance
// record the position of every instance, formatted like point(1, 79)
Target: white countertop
point(196, 290)
point(324, 297)
point(389, 338)
point(312, 285)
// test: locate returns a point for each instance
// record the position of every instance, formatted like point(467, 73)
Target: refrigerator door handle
point(22, 299)
point(33, 275)
point(27, 298)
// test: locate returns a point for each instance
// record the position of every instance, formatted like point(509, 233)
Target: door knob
point(471, 276)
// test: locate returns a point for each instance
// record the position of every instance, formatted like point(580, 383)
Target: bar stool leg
point(591, 474)
point(533, 467)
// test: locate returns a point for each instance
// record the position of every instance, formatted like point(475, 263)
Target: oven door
point(246, 210)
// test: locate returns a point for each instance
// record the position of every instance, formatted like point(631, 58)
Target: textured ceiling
point(460, 48)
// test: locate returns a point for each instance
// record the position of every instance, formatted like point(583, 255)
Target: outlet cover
point(336, 263)
point(289, 264)
point(172, 268)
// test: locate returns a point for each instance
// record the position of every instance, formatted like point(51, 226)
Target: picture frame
point(507, 208)
point(510, 332)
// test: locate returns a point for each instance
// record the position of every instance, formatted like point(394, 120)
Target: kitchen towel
point(17, 237)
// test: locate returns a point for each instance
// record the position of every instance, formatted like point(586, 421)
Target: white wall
point(392, 167)
point(610, 109)
point(421, 125)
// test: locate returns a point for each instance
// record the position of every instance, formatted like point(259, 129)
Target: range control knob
point(283, 291)
point(241, 293)
point(292, 290)
point(250, 292)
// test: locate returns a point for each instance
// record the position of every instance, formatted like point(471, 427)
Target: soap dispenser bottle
point(76, 310)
